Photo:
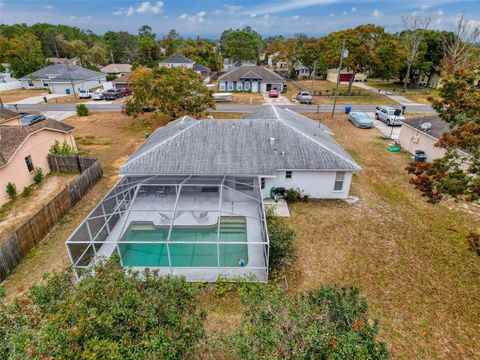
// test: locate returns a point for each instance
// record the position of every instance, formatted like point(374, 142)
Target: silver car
point(97, 95)
point(360, 120)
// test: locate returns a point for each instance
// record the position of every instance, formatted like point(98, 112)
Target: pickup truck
point(304, 97)
point(387, 115)
point(84, 94)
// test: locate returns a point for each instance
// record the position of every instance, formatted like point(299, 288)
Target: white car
point(387, 115)
point(97, 95)
point(84, 94)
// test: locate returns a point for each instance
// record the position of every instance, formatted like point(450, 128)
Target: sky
point(208, 18)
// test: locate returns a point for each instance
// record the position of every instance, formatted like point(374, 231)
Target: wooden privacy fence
point(34, 230)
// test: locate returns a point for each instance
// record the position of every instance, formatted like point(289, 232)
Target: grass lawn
point(408, 257)
point(19, 94)
point(245, 99)
point(414, 93)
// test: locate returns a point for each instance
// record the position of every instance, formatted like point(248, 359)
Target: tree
point(311, 56)
point(172, 91)
point(415, 26)
point(277, 50)
point(241, 45)
point(170, 42)
point(457, 174)
point(326, 323)
point(24, 53)
point(110, 314)
point(390, 57)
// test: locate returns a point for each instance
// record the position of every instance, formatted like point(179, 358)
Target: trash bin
point(348, 109)
point(420, 156)
point(67, 91)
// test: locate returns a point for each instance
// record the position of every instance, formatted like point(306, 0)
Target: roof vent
point(272, 140)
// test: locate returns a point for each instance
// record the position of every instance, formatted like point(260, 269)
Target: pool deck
point(159, 211)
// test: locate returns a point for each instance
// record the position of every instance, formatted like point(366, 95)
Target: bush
point(474, 243)
point(11, 191)
point(282, 251)
point(38, 175)
point(295, 195)
point(63, 149)
point(327, 323)
point(82, 110)
point(111, 77)
point(27, 191)
point(109, 315)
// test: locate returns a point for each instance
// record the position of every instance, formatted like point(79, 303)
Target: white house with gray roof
point(62, 78)
point(250, 78)
point(182, 61)
point(190, 199)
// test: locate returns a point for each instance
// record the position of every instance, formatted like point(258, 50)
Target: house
point(121, 82)
point(434, 83)
point(61, 78)
point(24, 148)
point(345, 75)
point(250, 78)
point(8, 117)
point(190, 198)
point(423, 133)
point(229, 65)
point(117, 69)
point(179, 60)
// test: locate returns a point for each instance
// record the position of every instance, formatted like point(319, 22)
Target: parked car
point(112, 94)
point(126, 91)
point(387, 115)
point(360, 119)
point(30, 119)
point(84, 94)
point(273, 93)
point(304, 97)
point(97, 95)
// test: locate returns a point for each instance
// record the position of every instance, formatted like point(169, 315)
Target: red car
point(273, 93)
point(126, 91)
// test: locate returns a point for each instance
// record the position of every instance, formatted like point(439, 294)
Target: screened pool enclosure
point(199, 227)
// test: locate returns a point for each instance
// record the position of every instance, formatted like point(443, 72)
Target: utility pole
point(342, 55)
point(71, 81)
point(313, 78)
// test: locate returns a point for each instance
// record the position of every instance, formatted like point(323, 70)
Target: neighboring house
point(24, 148)
point(8, 117)
point(182, 61)
point(435, 81)
point(190, 201)
point(229, 65)
point(61, 78)
point(121, 82)
point(117, 69)
point(345, 75)
point(302, 71)
point(64, 61)
point(250, 78)
point(414, 137)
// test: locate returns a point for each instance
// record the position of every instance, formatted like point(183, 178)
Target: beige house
point(24, 148)
point(345, 76)
point(423, 133)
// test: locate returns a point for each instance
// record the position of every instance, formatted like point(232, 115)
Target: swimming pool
point(191, 254)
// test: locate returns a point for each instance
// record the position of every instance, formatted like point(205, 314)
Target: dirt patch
point(19, 94)
point(25, 207)
point(245, 99)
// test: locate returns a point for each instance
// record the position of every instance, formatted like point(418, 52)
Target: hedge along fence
point(34, 230)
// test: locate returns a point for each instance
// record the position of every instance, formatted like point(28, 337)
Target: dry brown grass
point(19, 94)
point(246, 99)
point(227, 115)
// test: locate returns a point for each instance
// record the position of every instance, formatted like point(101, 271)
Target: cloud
point(48, 7)
point(279, 7)
point(253, 15)
point(266, 16)
point(198, 18)
point(377, 14)
point(440, 12)
point(2, 4)
point(344, 13)
point(81, 20)
point(331, 15)
point(353, 9)
point(233, 9)
point(217, 12)
point(145, 7)
point(295, 17)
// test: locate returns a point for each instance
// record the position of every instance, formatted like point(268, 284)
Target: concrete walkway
point(398, 98)
point(280, 207)
point(59, 115)
point(38, 99)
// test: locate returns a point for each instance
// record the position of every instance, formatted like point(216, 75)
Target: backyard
point(408, 257)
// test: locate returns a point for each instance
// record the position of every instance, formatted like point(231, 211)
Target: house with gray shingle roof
point(24, 148)
point(191, 198)
point(62, 78)
point(250, 78)
point(182, 61)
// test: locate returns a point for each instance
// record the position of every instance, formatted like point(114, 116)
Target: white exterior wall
point(59, 87)
point(412, 139)
point(37, 84)
point(172, 65)
point(315, 184)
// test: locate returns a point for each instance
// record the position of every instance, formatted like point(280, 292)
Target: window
point(247, 85)
point(262, 183)
point(239, 86)
point(45, 84)
point(339, 177)
point(288, 175)
point(28, 161)
point(222, 86)
point(30, 83)
point(245, 184)
point(230, 86)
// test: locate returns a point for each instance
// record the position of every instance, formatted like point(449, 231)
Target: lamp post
point(343, 54)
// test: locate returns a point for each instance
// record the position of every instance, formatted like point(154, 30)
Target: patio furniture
point(203, 216)
point(161, 191)
point(164, 217)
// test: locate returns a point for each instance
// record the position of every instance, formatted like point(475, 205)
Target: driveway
point(281, 100)
point(39, 99)
point(394, 131)
point(400, 99)
point(59, 115)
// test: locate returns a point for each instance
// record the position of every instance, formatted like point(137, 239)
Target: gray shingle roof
point(177, 59)
point(62, 72)
point(116, 68)
point(439, 126)
point(200, 67)
point(258, 72)
point(225, 147)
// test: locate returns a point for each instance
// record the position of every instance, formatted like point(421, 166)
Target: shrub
point(110, 314)
point(11, 190)
point(38, 175)
point(82, 110)
point(474, 243)
point(111, 77)
point(295, 195)
point(63, 149)
point(27, 191)
point(326, 323)
point(282, 251)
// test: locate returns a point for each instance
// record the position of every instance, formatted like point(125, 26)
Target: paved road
point(221, 108)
